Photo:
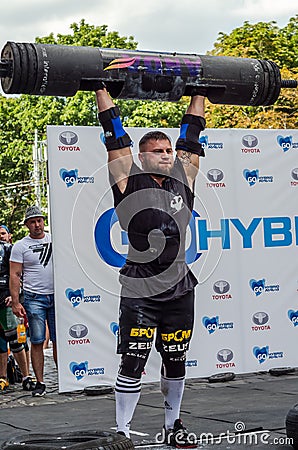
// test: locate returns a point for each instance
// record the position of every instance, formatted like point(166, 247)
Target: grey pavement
point(249, 411)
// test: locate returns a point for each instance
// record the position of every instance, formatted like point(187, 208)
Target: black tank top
point(155, 218)
point(5, 250)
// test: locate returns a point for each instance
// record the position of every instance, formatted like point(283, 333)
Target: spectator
point(8, 321)
point(4, 383)
point(31, 259)
point(5, 234)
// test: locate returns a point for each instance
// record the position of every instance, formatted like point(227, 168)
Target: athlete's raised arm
point(117, 141)
point(188, 147)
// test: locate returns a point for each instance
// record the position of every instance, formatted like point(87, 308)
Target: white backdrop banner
point(241, 244)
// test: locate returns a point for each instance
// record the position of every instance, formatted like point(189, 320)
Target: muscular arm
point(120, 160)
point(14, 287)
point(190, 160)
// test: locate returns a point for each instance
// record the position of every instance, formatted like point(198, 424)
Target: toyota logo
point(260, 318)
point(68, 138)
point(225, 355)
point(221, 287)
point(295, 174)
point(249, 141)
point(78, 331)
point(215, 175)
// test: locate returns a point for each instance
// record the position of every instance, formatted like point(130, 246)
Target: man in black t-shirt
point(154, 205)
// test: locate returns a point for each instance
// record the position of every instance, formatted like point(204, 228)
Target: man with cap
point(31, 259)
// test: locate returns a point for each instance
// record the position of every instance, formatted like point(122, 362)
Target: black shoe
point(179, 437)
point(121, 433)
point(28, 384)
point(39, 390)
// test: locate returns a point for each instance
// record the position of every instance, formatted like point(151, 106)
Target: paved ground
point(247, 412)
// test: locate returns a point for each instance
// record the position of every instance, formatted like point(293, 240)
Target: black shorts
point(141, 319)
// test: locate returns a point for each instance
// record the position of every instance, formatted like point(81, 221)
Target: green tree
point(84, 34)
point(21, 116)
point(263, 40)
point(260, 41)
point(153, 114)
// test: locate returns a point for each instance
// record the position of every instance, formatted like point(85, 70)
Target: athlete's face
point(36, 227)
point(157, 157)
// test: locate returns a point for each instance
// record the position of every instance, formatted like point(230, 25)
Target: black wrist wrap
point(191, 127)
point(96, 85)
point(115, 135)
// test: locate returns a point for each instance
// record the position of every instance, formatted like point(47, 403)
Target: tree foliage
point(261, 41)
point(21, 116)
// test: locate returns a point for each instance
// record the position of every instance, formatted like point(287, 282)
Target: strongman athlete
point(154, 206)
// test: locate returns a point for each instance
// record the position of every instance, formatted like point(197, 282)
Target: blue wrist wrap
point(191, 127)
point(115, 135)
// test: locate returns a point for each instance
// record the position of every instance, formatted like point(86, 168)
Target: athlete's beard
point(161, 173)
point(157, 170)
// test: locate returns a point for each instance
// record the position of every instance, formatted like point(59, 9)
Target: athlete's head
point(156, 153)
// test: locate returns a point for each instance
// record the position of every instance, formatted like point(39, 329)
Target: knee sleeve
point(3, 344)
point(132, 366)
point(26, 346)
point(12, 338)
point(173, 368)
